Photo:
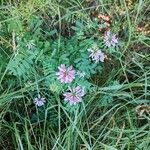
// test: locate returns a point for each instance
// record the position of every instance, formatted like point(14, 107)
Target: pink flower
point(39, 101)
point(74, 96)
point(97, 55)
point(65, 75)
point(110, 40)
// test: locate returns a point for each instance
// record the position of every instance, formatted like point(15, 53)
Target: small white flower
point(30, 44)
point(39, 101)
point(81, 74)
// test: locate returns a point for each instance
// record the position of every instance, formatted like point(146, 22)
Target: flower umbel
point(39, 101)
point(74, 96)
point(110, 40)
point(65, 75)
point(97, 55)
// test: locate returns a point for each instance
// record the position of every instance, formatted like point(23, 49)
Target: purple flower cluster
point(65, 75)
point(110, 40)
point(74, 96)
point(97, 55)
point(39, 101)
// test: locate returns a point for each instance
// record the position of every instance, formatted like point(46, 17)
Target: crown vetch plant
point(71, 64)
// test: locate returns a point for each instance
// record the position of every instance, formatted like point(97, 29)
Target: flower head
point(39, 101)
point(97, 55)
point(74, 96)
point(65, 75)
point(110, 40)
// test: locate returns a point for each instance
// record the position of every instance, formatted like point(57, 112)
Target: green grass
point(107, 118)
